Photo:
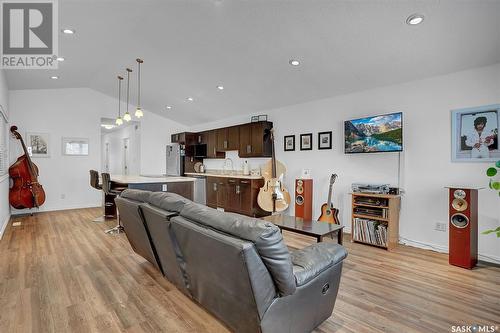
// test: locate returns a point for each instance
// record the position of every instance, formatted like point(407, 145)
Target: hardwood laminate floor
point(59, 272)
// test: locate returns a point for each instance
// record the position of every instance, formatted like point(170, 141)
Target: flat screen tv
point(383, 133)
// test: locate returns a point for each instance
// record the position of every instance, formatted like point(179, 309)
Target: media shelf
point(375, 219)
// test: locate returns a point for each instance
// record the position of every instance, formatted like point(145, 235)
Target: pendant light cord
point(128, 85)
point(119, 95)
point(138, 83)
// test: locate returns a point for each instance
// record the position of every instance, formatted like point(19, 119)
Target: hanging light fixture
point(127, 116)
point(119, 120)
point(138, 110)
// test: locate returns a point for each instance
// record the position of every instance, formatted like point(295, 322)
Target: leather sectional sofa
point(236, 267)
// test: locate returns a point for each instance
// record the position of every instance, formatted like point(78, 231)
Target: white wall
point(77, 113)
point(115, 142)
point(426, 161)
point(4, 180)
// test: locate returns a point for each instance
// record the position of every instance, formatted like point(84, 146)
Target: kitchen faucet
point(225, 164)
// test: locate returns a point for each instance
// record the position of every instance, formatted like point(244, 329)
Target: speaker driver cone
point(459, 204)
point(299, 200)
point(459, 220)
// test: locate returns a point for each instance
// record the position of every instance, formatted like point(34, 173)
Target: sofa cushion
point(136, 195)
point(168, 201)
point(314, 259)
point(265, 235)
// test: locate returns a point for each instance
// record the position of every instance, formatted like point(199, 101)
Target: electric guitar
point(328, 212)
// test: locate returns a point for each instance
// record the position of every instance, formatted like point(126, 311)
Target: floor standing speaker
point(463, 226)
point(303, 198)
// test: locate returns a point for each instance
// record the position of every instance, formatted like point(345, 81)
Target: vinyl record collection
point(369, 231)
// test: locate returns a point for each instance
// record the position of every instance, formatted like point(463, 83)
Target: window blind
point(4, 156)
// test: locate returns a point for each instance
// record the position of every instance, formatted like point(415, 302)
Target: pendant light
point(138, 110)
point(119, 120)
point(127, 116)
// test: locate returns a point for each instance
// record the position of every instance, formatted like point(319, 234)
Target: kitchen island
point(181, 185)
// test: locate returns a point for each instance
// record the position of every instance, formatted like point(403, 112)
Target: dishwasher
point(200, 194)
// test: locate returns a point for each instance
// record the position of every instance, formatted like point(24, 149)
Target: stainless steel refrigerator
point(175, 160)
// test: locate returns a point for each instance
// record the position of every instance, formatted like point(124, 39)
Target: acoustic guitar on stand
point(329, 213)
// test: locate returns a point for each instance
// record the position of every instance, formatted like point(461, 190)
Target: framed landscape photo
point(306, 141)
point(475, 134)
point(38, 144)
point(289, 143)
point(325, 140)
point(75, 146)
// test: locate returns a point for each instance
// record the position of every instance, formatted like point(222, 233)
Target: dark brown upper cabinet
point(248, 139)
point(253, 141)
point(228, 138)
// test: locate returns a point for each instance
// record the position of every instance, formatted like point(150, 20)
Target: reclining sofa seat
point(239, 269)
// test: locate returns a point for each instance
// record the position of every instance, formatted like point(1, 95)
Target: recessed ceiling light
point(60, 59)
point(55, 77)
point(415, 19)
point(220, 87)
point(68, 31)
point(168, 107)
point(294, 62)
point(190, 99)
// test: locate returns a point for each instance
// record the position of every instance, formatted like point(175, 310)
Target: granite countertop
point(136, 179)
point(222, 173)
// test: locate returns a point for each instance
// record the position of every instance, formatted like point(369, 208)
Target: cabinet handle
point(249, 149)
point(225, 144)
point(215, 187)
point(244, 181)
point(232, 181)
point(237, 189)
point(214, 152)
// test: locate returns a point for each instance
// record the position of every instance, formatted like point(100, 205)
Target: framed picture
point(289, 143)
point(475, 134)
point(38, 144)
point(306, 141)
point(75, 146)
point(325, 140)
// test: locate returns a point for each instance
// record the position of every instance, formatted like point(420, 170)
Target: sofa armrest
point(314, 259)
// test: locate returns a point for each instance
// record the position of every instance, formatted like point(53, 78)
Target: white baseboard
point(443, 249)
point(52, 209)
point(4, 226)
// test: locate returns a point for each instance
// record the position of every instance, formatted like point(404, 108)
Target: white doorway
point(126, 156)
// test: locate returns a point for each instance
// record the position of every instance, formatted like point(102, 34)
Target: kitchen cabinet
point(211, 189)
point(228, 138)
point(211, 141)
point(253, 139)
point(237, 195)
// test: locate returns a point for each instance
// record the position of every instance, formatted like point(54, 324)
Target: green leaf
point(498, 164)
point(496, 185)
point(491, 172)
point(487, 232)
point(498, 234)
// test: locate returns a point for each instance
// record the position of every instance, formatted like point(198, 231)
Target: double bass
point(273, 196)
point(26, 191)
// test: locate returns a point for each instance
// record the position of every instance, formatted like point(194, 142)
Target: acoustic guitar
point(273, 196)
point(328, 212)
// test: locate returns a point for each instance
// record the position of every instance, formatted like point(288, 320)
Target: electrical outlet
point(440, 226)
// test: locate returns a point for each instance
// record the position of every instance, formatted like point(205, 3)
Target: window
point(75, 146)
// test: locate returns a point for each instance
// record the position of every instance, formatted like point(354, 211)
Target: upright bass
point(26, 191)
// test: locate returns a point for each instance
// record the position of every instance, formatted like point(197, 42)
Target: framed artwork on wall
point(75, 146)
point(306, 141)
point(475, 134)
point(325, 140)
point(289, 143)
point(38, 144)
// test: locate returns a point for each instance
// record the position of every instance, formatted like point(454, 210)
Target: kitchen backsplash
point(218, 163)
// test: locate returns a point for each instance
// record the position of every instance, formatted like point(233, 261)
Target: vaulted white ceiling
point(190, 47)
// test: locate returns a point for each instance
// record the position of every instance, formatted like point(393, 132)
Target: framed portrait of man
point(475, 134)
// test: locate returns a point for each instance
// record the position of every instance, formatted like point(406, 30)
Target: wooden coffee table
point(310, 228)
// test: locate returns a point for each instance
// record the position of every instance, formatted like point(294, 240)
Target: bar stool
point(112, 193)
point(94, 182)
